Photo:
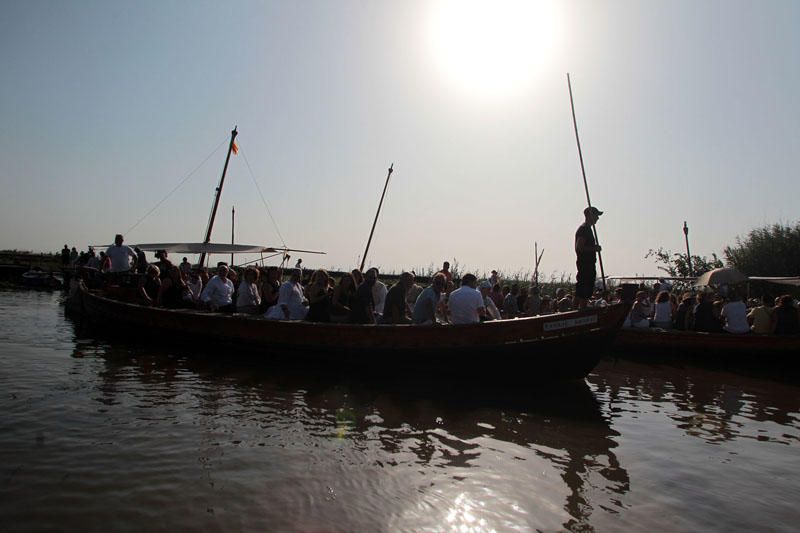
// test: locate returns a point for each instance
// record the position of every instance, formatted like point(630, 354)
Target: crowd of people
point(724, 310)
point(362, 298)
point(355, 297)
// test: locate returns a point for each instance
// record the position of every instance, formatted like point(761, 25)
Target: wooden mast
point(207, 238)
point(389, 175)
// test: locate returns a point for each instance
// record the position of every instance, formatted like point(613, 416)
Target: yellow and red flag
point(235, 148)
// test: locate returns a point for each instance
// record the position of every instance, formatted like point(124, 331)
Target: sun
point(495, 47)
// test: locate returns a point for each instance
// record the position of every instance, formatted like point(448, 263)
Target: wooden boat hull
point(562, 346)
point(649, 341)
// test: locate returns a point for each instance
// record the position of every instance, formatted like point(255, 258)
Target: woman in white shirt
point(662, 317)
point(734, 313)
point(249, 298)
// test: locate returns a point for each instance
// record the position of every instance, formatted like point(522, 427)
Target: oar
point(585, 184)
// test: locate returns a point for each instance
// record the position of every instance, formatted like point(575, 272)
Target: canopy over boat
point(216, 248)
point(793, 281)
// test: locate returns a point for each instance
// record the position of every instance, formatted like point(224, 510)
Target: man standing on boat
point(120, 255)
point(586, 249)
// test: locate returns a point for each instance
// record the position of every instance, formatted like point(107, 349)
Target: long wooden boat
point(550, 347)
point(651, 341)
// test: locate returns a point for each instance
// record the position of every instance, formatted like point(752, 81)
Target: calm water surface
point(99, 435)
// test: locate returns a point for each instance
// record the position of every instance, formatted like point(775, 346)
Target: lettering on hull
point(570, 323)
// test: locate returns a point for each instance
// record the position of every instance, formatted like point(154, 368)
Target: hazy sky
point(687, 110)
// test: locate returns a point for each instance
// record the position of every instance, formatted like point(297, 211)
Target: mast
point(207, 238)
point(688, 255)
point(233, 223)
point(389, 175)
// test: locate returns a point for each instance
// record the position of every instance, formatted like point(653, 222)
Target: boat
point(651, 341)
point(40, 279)
point(544, 348)
point(561, 346)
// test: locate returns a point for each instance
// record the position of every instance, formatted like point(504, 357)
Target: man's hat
point(485, 285)
point(592, 210)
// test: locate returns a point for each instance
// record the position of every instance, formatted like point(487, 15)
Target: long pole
point(207, 238)
point(585, 183)
point(233, 223)
point(389, 175)
point(688, 255)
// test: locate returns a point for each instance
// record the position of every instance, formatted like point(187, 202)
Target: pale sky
point(687, 110)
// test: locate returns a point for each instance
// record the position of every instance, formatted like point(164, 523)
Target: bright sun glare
point(492, 47)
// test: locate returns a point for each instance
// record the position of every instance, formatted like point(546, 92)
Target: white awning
point(216, 248)
point(793, 281)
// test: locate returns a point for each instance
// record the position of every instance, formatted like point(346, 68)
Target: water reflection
point(481, 456)
point(711, 405)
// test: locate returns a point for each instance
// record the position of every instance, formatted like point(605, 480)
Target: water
point(98, 435)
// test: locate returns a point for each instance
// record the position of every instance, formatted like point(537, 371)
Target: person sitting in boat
point(173, 290)
point(185, 266)
point(195, 286)
point(492, 313)
point(443, 310)
point(497, 296)
point(292, 304)
point(640, 312)
point(123, 258)
point(683, 312)
point(379, 291)
point(510, 306)
point(269, 288)
point(785, 320)
point(163, 263)
point(546, 307)
point(319, 297)
point(141, 260)
point(703, 317)
point(563, 301)
point(248, 297)
point(395, 310)
point(150, 285)
point(428, 301)
point(760, 317)
point(363, 309)
point(465, 303)
point(218, 292)
point(93, 261)
point(358, 276)
point(662, 313)
point(343, 298)
point(534, 304)
point(734, 315)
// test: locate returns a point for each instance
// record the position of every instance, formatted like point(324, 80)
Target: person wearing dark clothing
point(681, 314)
point(141, 261)
point(363, 310)
point(704, 317)
point(784, 318)
point(319, 298)
point(586, 249)
point(65, 256)
point(395, 309)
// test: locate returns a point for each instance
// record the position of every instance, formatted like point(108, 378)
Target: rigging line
point(178, 186)
point(263, 200)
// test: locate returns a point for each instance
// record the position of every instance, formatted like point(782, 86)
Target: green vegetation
point(769, 251)
point(676, 265)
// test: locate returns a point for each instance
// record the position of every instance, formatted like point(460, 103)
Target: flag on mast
point(235, 148)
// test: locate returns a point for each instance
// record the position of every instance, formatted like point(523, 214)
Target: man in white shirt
point(379, 292)
point(120, 256)
point(466, 303)
point(218, 293)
